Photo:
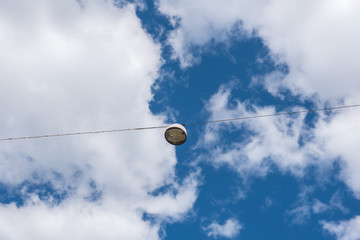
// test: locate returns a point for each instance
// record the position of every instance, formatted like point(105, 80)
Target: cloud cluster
point(70, 66)
point(286, 141)
point(265, 142)
point(317, 40)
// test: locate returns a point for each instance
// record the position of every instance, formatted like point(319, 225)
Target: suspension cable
point(185, 124)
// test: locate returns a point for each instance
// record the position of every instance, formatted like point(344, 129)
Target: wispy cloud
point(306, 206)
point(230, 229)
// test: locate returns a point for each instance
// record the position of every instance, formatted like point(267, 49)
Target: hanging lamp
point(176, 134)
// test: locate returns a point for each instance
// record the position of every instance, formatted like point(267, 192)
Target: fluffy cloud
point(76, 219)
point(338, 138)
point(318, 42)
point(344, 230)
point(230, 229)
point(285, 141)
point(75, 66)
point(316, 39)
point(265, 141)
point(199, 22)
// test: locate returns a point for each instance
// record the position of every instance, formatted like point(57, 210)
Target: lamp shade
point(176, 134)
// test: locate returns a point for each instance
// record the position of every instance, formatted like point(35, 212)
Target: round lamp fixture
point(176, 134)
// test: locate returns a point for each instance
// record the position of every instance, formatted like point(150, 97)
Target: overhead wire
point(273, 114)
point(185, 124)
point(81, 133)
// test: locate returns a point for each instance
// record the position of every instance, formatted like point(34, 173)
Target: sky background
point(84, 65)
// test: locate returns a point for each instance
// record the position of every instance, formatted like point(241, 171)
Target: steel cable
point(185, 124)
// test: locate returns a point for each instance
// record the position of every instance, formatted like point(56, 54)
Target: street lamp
point(176, 134)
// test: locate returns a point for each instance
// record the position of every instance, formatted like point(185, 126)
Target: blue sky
point(70, 66)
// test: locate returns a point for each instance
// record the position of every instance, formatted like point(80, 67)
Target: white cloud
point(302, 211)
point(339, 138)
point(285, 141)
point(75, 219)
point(266, 140)
point(230, 229)
point(319, 207)
point(305, 206)
point(344, 230)
point(334, 203)
point(316, 39)
point(200, 21)
point(67, 67)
